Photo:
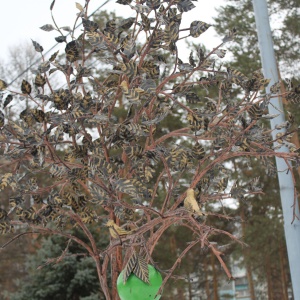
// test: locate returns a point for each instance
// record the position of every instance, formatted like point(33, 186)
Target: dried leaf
point(66, 28)
point(8, 99)
point(44, 67)
point(52, 4)
point(124, 2)
point(79, 6)
point(126, 23)
point(141, 8)
point(141, 269)
point(3, 85)
point(148, 85)
point(72, 52)
point(37, 46)
point(53, 56)
point(126, 186)
point(1, 119)
point(89, 25)
point(275, 88)
point(39, 80)
point(185, 5)
point(52, 71)
point(220, 52)
point(47, 27)
point(197, 28)
point(96, 40)
point(61, 39)
point(25, 87)
point(129, 266)
point(7, 179)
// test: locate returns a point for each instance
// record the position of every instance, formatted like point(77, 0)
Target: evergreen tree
point(285, 23)
point(263, 216)
point(59, 269)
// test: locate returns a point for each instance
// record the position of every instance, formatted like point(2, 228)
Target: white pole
point(292, 231)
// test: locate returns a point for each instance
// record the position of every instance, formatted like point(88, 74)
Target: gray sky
point(20, 20)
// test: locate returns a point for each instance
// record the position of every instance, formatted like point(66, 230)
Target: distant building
point(235, 290)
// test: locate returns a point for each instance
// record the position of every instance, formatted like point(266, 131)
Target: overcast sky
point(21, 20)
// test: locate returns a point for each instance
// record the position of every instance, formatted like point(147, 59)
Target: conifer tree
point(263, 216)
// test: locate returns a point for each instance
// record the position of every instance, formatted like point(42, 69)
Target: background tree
point(265, 210)
point(129, 174)
point(20, 59)
point(284, 18)
point(55, 273)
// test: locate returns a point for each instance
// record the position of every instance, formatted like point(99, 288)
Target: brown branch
point(218, 255)
point(178, 260)
point(16, 237)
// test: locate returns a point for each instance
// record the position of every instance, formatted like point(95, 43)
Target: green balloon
point(136, 289)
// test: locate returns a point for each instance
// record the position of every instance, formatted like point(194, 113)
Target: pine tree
point(59, 269)
point(263, 215)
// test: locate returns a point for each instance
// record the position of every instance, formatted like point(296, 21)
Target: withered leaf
point(37, 46)
point(129, 266)
point(141, 269)
point(53, 56)
point(275, 88)
point(124, 2)
point(95, 39)
point(145, 22)
point(18, 129)
point(197, 28)
point(185, 5)
point(43, 97)
point(66, 28)
point(52, 4)
point(1, 119)
point(52, 71)
point(25, 87)
point(44, 67)
point(220, 52)
point(47, 27)
point(126, 186)
point(39, 80)
point(154, 4)
point(8, 99)
point(3, 85)
point(89, 26)
point(159, 117)
point(79, 6)
point(126, 23)
point(148, 85)
point(61, 39)
point(141, 8)
point(72, 52)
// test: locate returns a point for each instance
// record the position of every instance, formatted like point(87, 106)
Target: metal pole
point(292, 231)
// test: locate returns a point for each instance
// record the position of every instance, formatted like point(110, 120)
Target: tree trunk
point(206, 280)
point(215, 278)
point(180, 294)
point(190, 286)
point(114, 274)
point(283, 272)
point(102, 279)
point(246, 254)
point(250, 281)
point(116, 265)
point(269, 278)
